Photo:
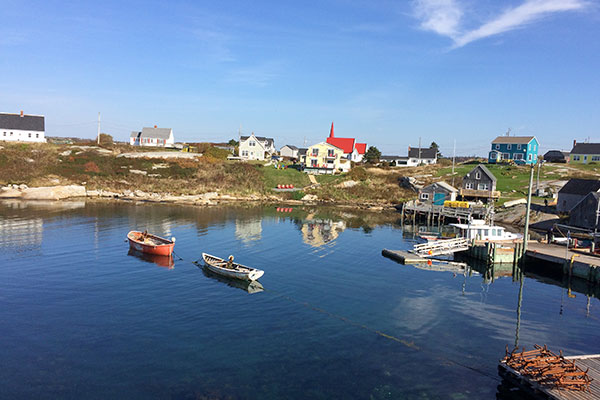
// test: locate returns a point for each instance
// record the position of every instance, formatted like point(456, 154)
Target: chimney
point(574, 142)
point(154, 126)
point(21, 113)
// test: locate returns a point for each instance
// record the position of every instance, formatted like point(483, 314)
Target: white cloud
point(445, 17)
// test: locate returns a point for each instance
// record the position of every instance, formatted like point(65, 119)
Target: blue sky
point(385, 72)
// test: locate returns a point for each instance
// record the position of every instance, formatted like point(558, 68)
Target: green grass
point(289, 176)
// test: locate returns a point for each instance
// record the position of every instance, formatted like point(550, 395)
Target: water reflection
point(250, 287)
point(48, 205)
point(161, 261)
point(319, 232)
point(21, 232)
point(248, 230)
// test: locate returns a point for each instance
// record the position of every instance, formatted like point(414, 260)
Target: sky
point(389, 73)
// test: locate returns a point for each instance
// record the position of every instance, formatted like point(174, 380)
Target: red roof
point(346, 144)
point(361, 148)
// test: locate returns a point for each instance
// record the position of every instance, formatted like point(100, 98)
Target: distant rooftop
point(24, 123)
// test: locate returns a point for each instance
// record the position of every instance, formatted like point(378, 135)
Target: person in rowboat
point(229, 263)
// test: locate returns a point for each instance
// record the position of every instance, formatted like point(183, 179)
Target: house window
point(493, 155)
point(313, 162)
point(315, 152)
point(595, 158)
point(29, 134)
point(37, 135)
point(478, 175)
point(244, 153)
point(497, 146)
point(424, 196)
point(4, 133)
point(584, 158)
point(534, 147)
point(469, 185)
point(518, 147)
point(251, 143)
point(576, 158)
point(529, 157)
point(506, 156)
point(508, 146)
point(482, 186)
point(518, 156)
point(330, 153)
point(11, 134)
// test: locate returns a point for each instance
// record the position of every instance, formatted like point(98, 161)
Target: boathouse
point(586, 213)
point(436, 193)
point(574, 191)
point(479, 184)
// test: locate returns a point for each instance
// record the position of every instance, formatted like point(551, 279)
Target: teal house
point(520, 149)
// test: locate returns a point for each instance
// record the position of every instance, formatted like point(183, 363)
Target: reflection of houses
point(21, 233)
point(317, 233)
point(248, 230)
point(574, 191)
point(437, 193)
point(480, 183)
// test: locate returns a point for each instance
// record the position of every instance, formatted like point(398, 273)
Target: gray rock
point(8, 192)
point(54, 192)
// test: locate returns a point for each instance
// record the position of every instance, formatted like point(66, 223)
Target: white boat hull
point(239, 272)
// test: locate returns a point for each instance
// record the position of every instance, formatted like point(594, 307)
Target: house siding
point(515, 151)
point(585, 213)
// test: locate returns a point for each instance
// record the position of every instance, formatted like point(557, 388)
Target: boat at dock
point(477, 229)
point(235, 271)
point(150, 244)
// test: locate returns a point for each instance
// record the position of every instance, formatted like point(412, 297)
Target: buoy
point(428, 262)
point(430, 252)
point(278, 209)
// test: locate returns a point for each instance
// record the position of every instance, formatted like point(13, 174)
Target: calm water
point(81, 317)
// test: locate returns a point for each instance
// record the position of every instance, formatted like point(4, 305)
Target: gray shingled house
point(436, 193)
point(479, 184)
point(157, 137)
point(574, 191)
point(586, 213)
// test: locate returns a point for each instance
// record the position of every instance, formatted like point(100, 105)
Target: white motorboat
point(477, 229)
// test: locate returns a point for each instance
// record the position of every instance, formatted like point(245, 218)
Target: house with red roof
point(353, 151)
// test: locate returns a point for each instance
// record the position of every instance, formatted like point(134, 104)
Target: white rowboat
point(237, 271)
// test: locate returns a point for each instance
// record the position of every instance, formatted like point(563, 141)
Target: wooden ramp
point(441, 247)
point(591, 363)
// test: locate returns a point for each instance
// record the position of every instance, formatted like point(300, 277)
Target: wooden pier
point(413, 210)
point(591, 363)
point(571, 263)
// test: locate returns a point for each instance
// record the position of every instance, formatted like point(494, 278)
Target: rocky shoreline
point(65, 192)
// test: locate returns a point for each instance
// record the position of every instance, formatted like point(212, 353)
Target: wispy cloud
point(258, 75)
point(446, 17)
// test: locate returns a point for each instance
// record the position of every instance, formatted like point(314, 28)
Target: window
point(584, 158)
point(595, 158)
point(313, 162)
point(497, 146)
point(11, 134)
point(478, 175)
point(37, 135)
point(315, 152)
point(424, 196)
point(469, 185)
point(518, 147)
point(534, 147)
point(4, 133)
point(508, 146)
point(244, 153)
point(493, 155)
point(576, 158)
point(506, 156)
point(518, 156)
point(29, 134)
point(252, 143)
point(330, 153)
point(529, 157)
point(482, 186)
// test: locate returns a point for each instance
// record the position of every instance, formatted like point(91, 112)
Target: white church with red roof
point(353, 151)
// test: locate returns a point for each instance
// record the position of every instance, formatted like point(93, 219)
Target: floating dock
point(591, 363)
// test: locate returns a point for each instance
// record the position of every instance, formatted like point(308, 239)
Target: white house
point(289, 151)
point(22, 128)
point(256, 147)
point(156, 137)
point(419, 155)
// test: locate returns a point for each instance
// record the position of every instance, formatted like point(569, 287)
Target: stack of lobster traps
point(547, 368)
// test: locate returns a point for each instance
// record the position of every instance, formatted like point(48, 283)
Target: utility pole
point(98, 128)
point(453, 157)
point(527, 212)
point(537, 182)
point(419, 162)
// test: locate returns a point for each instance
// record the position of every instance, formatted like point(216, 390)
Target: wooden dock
point(584, 362)
point(404, 257)
point(572, 263)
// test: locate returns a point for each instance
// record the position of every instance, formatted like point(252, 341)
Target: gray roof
point(513, 139)
point(24, 123)
point(269, 141)
point(586, 148)
point(413, 152)
point(485, 171)
point(391, 158)
point(156, 133)
point(444, 185)
point(135, 134)
point(580, 186)
point(291, 147)
point(302, 152)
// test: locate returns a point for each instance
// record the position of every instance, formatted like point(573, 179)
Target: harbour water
point(83, 317)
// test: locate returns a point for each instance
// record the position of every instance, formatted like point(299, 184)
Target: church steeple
point(331, 132)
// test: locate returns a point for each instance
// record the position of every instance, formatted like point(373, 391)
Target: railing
point(480, 193)
point(441, 247)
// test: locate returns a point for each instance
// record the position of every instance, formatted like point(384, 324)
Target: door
point(438, 199)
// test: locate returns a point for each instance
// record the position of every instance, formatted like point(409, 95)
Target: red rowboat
point(150, 244)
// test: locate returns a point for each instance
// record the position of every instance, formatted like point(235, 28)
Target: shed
point(586, 213)
point(574, 191)
point(436, 193)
